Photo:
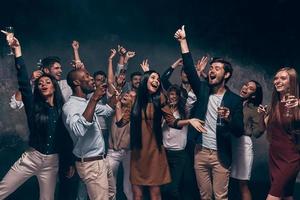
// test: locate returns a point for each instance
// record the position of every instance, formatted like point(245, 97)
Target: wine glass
point(287, 111)
point(10, 29)
point(220, 120)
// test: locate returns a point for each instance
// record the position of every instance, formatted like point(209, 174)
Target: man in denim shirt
point(80, 118)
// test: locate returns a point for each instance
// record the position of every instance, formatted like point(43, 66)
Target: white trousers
point(32, 163)
point(115, 158)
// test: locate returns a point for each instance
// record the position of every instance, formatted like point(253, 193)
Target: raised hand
point(180, 34)
point(117, 93)
point(201, 63)
point(145, 65)
point(77, 64)
point(36, 74)
point(11, 40)
point(177, 63)
point(75, 45)
point(121, 50)
point(100, 91)
point(130, 54)
point(112, 54)
point(198, 125)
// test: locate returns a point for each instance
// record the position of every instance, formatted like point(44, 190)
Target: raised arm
point(77, 61)
point(22, 74)
point(189, 67)
point(200, 66)
point(110, 71)
point(167, 74)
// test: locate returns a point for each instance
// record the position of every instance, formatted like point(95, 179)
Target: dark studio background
point(258, 37)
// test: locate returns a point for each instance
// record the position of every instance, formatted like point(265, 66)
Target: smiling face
point(173, 97)
point(87, 82)
point(247, 90)
point(56, 71)
point(46, 87)
point(282, 82)
point(135, 81)
point(126, 99)
point(153, 83)
point(216, 74)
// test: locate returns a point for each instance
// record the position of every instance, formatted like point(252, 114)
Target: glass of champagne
point(287, 111)
point(10, 29)
point(220, 120)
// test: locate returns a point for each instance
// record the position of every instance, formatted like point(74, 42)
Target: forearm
point(90, 109)
point(184, 46)
point(18, 52)
point(118, 112)
point(76, 55)
point(182, 123)
point(165, 78)
point(110, 72)
point(121, 60)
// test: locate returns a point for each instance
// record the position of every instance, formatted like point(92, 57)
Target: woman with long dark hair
point(48, 136)
point(149, 165)
point(242, 153)
point(283, 133)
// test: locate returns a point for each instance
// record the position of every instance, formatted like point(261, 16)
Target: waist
point(200, 147)
point(89, 159)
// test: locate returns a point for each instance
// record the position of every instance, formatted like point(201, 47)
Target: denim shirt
point(87, 136)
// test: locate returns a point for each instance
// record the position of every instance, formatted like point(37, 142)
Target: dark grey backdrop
point(258, 37)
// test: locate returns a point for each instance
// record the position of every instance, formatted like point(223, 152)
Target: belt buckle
point(102, 156)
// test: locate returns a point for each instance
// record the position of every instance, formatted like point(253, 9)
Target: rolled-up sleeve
point(75, 122)
point(15, 104)
point(103, 110)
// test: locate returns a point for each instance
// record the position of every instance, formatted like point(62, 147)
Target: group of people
point(166, 136)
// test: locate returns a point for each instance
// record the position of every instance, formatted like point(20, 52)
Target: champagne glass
point(10, 29)
point(220, 120)
point(287, 111)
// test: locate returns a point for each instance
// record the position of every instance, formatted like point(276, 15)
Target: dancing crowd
point(178, 141)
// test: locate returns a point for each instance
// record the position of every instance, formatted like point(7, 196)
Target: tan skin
point(246, 91)
point(153, 85)
point(46, 88)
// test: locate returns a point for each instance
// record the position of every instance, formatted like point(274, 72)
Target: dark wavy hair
point(258, 94)
point(41, 107)
point(143, 97)
point(181, 101)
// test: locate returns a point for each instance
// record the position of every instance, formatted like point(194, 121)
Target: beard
point(218, 83)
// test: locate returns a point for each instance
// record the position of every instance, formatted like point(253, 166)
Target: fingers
point(262, 109)
point(130, 54)
point(4, 32)
point(292, 103)
point(198, 125)
point(182, 28)
point(75, 44)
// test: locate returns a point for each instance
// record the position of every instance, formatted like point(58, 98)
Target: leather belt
point(89, 159)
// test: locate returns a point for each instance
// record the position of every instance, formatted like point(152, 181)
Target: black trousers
point(176, 161)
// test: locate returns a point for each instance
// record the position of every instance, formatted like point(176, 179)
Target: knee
point(137, 192)
point(154, 191)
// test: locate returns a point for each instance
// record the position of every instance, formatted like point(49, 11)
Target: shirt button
point(47, 144)
point(50, 136)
